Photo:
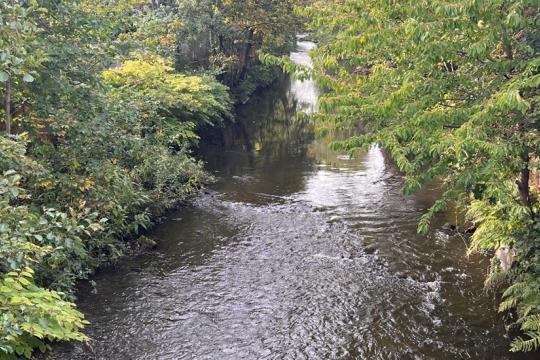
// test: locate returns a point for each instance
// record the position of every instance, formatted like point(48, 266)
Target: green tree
point(30, 239)
point(451, 90)
point(96, 143)
point(217, 35)
point(267, 25)
point(18, 55)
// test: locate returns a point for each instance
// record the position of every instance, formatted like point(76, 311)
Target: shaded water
point(296, 253)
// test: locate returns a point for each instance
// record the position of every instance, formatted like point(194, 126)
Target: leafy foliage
point(216, 35)
point(160, 94)
point(45, 240)
point(98, 144)
point(17, 40)
point(31, 315)
point(451, 90)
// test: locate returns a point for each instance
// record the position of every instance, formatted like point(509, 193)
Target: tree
point(451, 89)
point(260, 24)
point(31, 315)
point(96, 144)
point(18, 57)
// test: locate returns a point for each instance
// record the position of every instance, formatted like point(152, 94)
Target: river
point(297, 252)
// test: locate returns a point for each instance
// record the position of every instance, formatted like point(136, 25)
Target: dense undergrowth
point(102, 102)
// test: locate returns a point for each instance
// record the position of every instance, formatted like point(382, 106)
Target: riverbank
point(410, 74)
point(297, 251)
point(96, 141)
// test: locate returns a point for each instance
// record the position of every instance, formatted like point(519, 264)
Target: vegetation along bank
point(451, 89)
point(101, 103)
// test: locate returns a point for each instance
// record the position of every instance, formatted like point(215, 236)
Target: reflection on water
point(305, 92)
point(297, 252)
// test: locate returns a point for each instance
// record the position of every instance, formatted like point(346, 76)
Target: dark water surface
point(296, 253)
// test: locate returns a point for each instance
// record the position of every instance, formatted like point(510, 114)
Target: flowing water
point(296, 253)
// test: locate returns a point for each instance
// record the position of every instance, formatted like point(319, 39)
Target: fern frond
point(507, 304)
point(515, 290)
point(532, 323)
point(520, 344)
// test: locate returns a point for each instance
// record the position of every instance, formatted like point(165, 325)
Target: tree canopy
point(451, 90)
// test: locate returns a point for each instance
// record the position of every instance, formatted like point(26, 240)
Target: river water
point(297, 252)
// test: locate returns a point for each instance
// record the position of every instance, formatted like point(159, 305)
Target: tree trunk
point(247, 53)
point(7, 107)
point(508, 51)
point(523, 183)
point(222, 45)
point(178, 61)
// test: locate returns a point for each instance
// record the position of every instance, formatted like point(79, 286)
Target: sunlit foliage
point(451, 90)
point(96, 136)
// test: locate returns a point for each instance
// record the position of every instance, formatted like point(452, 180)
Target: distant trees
point(452, 90)
point(269, 26)
point(222, 35)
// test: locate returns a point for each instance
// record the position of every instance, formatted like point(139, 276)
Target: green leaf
point(4, 76)
point(28, 78)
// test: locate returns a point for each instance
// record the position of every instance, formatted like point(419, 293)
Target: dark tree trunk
point(523, 183)
point(222, 45)
point(178, 61)
point(508, 51)
point(247, 54)
point(7, 107)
